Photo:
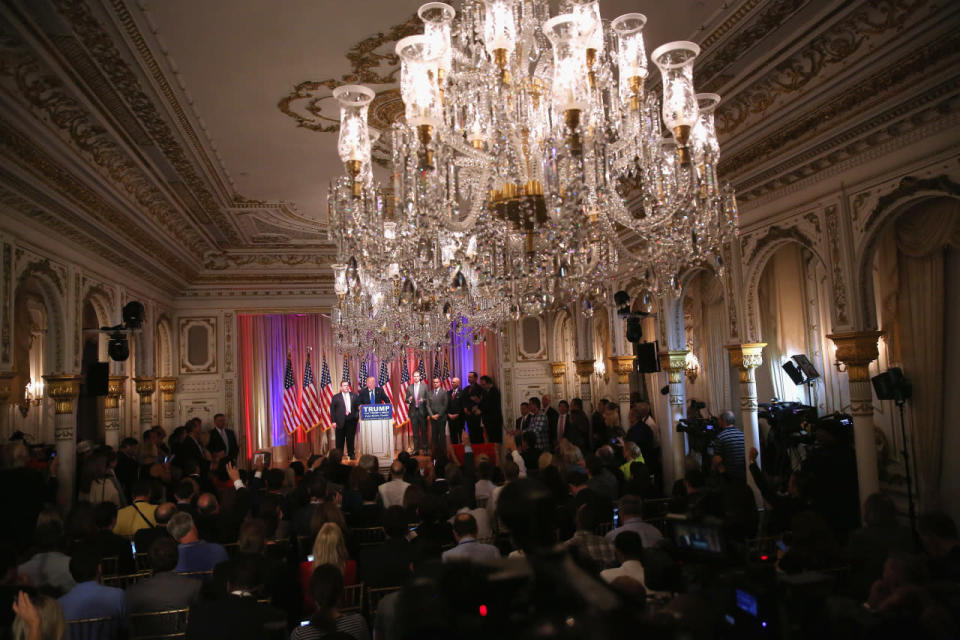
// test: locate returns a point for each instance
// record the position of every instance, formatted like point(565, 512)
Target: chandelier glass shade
point(532, 167)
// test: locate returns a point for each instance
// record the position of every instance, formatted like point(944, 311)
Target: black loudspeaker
point(793, 372)
point(647, 360)
point(98, 379)
point(634, 329)
point(892, 385)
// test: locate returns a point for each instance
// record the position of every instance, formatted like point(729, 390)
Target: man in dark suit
point(345, 412)
point(223, 441)
point(578, 431)
point(388, 565)
point(552, 417)
point(165, 590)
point(437, 404)
point(372, 394)
point(190, 448)
point(521, 421)
point(491, 410)
point(455, 410)
point(416, 399)
point(239, 615)
point(471, 407)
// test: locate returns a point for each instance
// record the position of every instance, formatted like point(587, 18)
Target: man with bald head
point(143, 538)
point(391, 492)
point(455, 410)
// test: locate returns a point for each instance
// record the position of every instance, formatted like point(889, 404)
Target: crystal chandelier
point(523, 137)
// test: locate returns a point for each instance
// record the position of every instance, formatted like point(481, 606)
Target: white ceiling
point(236, 59)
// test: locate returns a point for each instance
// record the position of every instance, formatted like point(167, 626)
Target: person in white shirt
point(631, 517)
point(629, 550)
point(391, 493)
point(468, 549)
point(511, 473)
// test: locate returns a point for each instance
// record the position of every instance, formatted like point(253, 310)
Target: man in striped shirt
point(728, 447)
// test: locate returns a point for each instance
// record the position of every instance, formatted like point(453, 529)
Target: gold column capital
point(746, 356)
point(675, 363)
point(167, 386)
point(114, 392)
point(557, 370)
point(63, 389)
point(8, 392)
point(584, 368)
point(145, 387)
point(857, 349)
point(622, 366)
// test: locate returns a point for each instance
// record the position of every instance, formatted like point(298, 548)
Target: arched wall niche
point(40, 278)
point(102, 303)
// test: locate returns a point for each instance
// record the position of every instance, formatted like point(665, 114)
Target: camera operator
point(831, 467)
point(729, 448)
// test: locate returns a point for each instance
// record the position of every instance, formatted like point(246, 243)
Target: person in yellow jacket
point(139, 514)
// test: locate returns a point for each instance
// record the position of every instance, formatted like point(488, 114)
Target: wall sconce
point(691, 366)
point(600, 369)
point(841, 366)
point(33, 395)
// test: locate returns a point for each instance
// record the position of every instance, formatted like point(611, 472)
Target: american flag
point(422, 370)
point(436, 370)
point(345, 376)
point(401, 416)
point(291, 410)
point(362, 377)
point(383, 380)
point(445, 376)
point(326, 395)
point(310, 400)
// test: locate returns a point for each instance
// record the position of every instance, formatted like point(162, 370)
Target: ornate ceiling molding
point(98, 42)
point(824, 56)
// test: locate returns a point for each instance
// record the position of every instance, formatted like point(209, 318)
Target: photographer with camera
point(831, 467)
point(729, 448)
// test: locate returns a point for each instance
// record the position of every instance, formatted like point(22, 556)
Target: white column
point(857, 349)
point(145, 387)
point(111, 411)
point(746, 358)
point(558, 370)
point(63, 390)
point(623, 366)
point(675, 364)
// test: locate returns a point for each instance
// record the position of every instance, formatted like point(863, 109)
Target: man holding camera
point(728, 447)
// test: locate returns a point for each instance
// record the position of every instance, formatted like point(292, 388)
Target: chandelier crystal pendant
point(532, 166)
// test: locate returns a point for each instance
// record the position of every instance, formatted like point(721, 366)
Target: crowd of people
point(567, 531)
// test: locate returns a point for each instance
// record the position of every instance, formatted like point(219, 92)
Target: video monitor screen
point(697, 537)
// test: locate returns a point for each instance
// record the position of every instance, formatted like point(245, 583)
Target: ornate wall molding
point(199, 360)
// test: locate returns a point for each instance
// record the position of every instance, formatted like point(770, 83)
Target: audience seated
point(326, 589)
point(592, 552)
point(629, 548)
point(144, 538)
point(49, 567)
point(89, 598)
point(368, 513)
point(631, 519)
point(38, 617)
point(195, 554)
point(239, 615)
point(868, 547)
point(165, 589)
point(938, 533)
point(468, 549)
point(107, 543)
point(388, 564)
point(329, 547)
point(139, 514)
point(391, 492)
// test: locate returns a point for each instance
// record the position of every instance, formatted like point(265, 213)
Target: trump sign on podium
point(376, 431)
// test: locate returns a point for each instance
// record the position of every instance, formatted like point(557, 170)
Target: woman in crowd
point(329, 547)
point(326, 588)
point(37, 618)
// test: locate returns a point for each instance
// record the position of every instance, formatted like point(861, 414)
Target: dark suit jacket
point(189, 448)
point(145, 537)
point(338, 412)
point(162, 592)
point(217, 444)
point(235, 618)
point(379, 395)
point(437, 402)
point(386, 565)
point(577, 429)
point(409, 399)
point(455, 404)
point(552, 417)
point(490, 408)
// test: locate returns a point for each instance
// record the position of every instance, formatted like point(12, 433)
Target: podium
point(376, 432)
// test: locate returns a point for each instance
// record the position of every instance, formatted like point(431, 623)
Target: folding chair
point(352, 598)
point(93, 629)
point(159, 625)
point(374, 596)
point(124, 581)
